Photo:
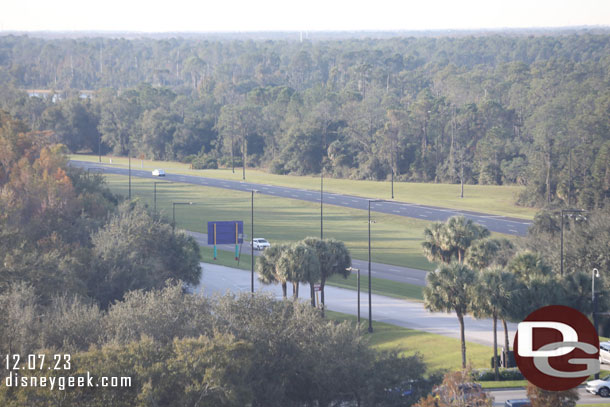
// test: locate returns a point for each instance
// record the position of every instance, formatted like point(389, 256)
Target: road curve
point(495, 223)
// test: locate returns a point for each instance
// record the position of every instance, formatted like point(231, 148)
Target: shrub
point(204, 163)
point(485, 375)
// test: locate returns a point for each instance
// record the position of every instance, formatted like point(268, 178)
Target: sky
point(290, 15)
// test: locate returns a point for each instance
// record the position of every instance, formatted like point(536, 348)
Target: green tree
point(136, 250)
point(300, 263)
point(444, 241)
point(487, 252)
point(493, 295)
point(333, 257)
point(268, 267)
point(449, 289)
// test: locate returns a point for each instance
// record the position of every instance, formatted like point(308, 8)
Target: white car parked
point(158, 173)
point(260, 244)
point(604, 352)
point(601, 386)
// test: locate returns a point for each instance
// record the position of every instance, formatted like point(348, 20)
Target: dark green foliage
point(204, 162)
point(182, 349)
point(136, 250)
point(505, 374)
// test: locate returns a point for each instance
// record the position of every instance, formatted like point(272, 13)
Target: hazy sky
point(287, 15)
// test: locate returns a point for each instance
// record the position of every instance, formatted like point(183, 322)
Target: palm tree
point(334, 258)
point(492, 295)
point(435, 244)
point(444, 241)
point(267, 267)
point(449, 289)
point(300, 264)
point(461, 233)
point(527, 265)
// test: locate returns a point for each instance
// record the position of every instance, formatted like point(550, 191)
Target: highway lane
point(501, 395)
point(495, 223)
point(218, 279)
point(378, 270)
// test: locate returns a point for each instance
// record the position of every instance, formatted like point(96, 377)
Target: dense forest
point(490, 109)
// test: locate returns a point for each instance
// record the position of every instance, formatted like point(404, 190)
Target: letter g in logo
point(557, 348)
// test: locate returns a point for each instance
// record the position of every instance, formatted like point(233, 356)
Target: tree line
point(496, 109)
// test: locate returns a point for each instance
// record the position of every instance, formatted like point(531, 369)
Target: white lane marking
point(396, 211)
point(344, 203)
point(424, 216)
point(513, 230)
point(294, 196)
point(393, 269)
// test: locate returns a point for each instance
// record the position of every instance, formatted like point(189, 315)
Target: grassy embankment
point(492, 199)
point(439, 352)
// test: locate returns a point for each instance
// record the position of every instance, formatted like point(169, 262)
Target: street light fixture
point(252, 242)
point(594, 275)
point(352, 269)
point(174, 213)
point(568, 211)
point(370, 299)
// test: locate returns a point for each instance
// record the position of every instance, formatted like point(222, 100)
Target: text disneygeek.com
point(66, 382)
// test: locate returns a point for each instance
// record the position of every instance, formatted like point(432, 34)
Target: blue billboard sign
point(226, 232)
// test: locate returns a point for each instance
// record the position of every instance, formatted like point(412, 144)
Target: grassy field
point(395, 239)
point(498, 200)
point(379, 286)
point(439, 352)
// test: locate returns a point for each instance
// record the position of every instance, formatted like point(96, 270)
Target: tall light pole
point(370, 299)
point(174, 213)
point(594, 275)
point(252, 241)
point(563, 211)
point(321, 202)
point(351, 269)
point(99, 148)
point(155, 193)
point(129, 159)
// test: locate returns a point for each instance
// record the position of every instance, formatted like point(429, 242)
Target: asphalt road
point(501, 395)
point(495, 223)
point(218, 279)
point(378, 270)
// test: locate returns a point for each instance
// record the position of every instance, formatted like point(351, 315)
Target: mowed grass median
point(492, 199)
point(395, 240)
point(439, 352)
